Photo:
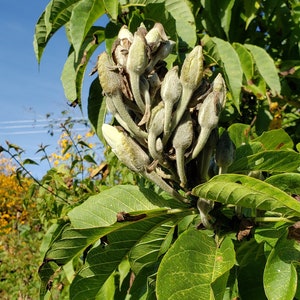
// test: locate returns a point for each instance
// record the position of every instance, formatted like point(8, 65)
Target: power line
point(43, 120)
point(39, 131)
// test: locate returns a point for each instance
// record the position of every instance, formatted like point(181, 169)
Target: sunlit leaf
point(111, 7)
point(229, 61)
point(280, 275)
point(147, 251)
point(276, 139)
point(246, 60)
point(56, 15)
point(84, 15)
point(288, 182)
point(248, 192)
point(181, 12)
point(269, 161)
point(266, 67)
point(74, 70)
point(199, 268)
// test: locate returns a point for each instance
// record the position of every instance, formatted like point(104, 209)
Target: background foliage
point(121, 237)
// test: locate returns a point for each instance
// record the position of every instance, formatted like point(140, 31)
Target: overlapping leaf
point(227, 58)
point(266, 67)
point(248, 192)
point(74, 69)
point(195, 268)
point(184, 19)
point(96, 107)
point(56, 15)
point(288, 182)
point(84, 15)
point(280, 275)
point(268, 161)
point(102, 261)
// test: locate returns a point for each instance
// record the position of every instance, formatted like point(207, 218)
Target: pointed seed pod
point(170, 93)
point(182, 140)
point(127, 151)
point(190, 77)
point(209, 113)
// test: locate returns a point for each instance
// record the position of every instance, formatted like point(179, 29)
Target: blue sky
point(28, 92)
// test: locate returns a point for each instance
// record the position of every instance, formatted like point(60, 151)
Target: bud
point(125, 37)
point(225, 152)
point(205, 206)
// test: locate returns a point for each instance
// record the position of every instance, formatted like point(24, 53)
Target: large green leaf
point(195, 268)
point(280, 275)
point(74, 69)
point(266, 67)
point(103, 260)
point(248, 192)
point(56, 15)
point(84, 15)
point(268, 161)
point(230, 62)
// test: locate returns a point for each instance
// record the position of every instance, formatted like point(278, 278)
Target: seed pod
point(182, 140)
point(225, 152)
point(121, 46)
point(137, 62)
point(111, 85)
point(170, 93)
point(190, 77)
point(192, 69)
point(155, 84)
point(155, 36)
point(110, 81)
point(127, 151)
point(156, 126)
point(209, 112)
point(162, 52)
point(134, 157)
point(144, 88)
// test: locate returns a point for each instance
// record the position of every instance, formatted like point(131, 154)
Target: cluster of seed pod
point(168, 119)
